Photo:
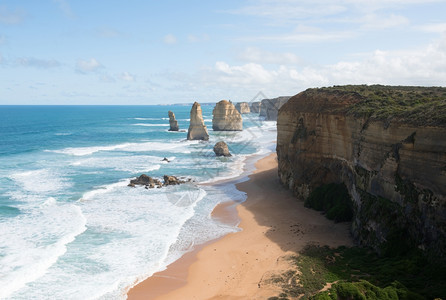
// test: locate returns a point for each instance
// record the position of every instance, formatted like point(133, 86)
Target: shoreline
point(274, 225)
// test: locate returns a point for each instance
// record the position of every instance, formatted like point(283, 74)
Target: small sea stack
point(197, 129)
point(173, 122)
point(255, 107)
point(221, 149)
point(243, 108)
point(270, 107)
point(226, 117)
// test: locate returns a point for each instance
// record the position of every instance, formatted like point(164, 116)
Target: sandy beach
point(274, 225)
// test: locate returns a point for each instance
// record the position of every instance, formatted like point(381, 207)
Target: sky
point(144, 52)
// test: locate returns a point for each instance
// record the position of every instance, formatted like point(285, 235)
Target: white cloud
point(37, 62)
point(433, 28)
point(304, 37)
point(374, 21)
point(170, 39)
point(423, 66)
point(65, 7)
point(106, 32)
point(257, 55)
point(11, 17)
point(87, 66)
point(192, 38)
point(126, 76)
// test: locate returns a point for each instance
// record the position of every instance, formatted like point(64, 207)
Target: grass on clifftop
point(415, 105)
point(358, 273)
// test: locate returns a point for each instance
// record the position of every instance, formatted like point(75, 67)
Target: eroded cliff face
point(395, 171)
point(226, 117)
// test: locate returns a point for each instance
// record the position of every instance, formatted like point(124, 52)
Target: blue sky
point(160, 52)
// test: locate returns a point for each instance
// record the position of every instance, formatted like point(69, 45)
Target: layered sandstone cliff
point(173, 122)
point(226, 117)
point(255, 107)
point(197, 129)
point(243, 107)
point(269, 108)
point(387, 144)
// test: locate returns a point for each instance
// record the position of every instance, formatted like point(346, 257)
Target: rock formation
point(226, 117)
point(255, 107)
point(151, 183)
point(145, 180)
point(173, 122)
point(270, 107)
point(243, 108)
point(221, 149)
point(197, 129)
point(390, 155)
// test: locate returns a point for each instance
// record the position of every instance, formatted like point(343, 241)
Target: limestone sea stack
point(221, 149)
point(173, 122)
point(269, 107)
point(255, 107)
point(197, 129)
point(226, 117)
point(243, 107)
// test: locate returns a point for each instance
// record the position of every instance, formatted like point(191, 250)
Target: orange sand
point(274, 224)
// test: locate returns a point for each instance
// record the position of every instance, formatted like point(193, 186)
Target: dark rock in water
point(173, 122)
point(172, 180)
point(221, 149)
point(145, 180)
point(151, 183)
point(165, 159)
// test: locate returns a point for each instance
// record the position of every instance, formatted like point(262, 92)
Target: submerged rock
point(221, 149)
point(226, 117)
point(243, 107)
point(173, 122)
point(197, 129)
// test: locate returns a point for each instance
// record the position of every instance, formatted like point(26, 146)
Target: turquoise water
point(72, 229)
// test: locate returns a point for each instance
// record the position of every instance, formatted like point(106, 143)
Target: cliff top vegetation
point(409, 104)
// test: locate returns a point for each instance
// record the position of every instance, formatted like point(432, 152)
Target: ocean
point(71, 228)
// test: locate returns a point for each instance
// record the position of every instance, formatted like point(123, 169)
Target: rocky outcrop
point(197, 129)
point(226, 117)
point(173, 122)
point(145, 180)
point(255, 107)
point(221, 149)
point(151, 183)
point(243, 108)
point(392, 159)
point(269, 107)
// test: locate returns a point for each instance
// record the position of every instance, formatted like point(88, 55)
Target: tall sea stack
point(226, 117)
point(173, 122)
point(255, 107)
point(243, 108)
point(197, 129)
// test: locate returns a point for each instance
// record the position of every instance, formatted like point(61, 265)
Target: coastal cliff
point(386, 144)
point(226, 117)
point(269, 108)
point(173, 123)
